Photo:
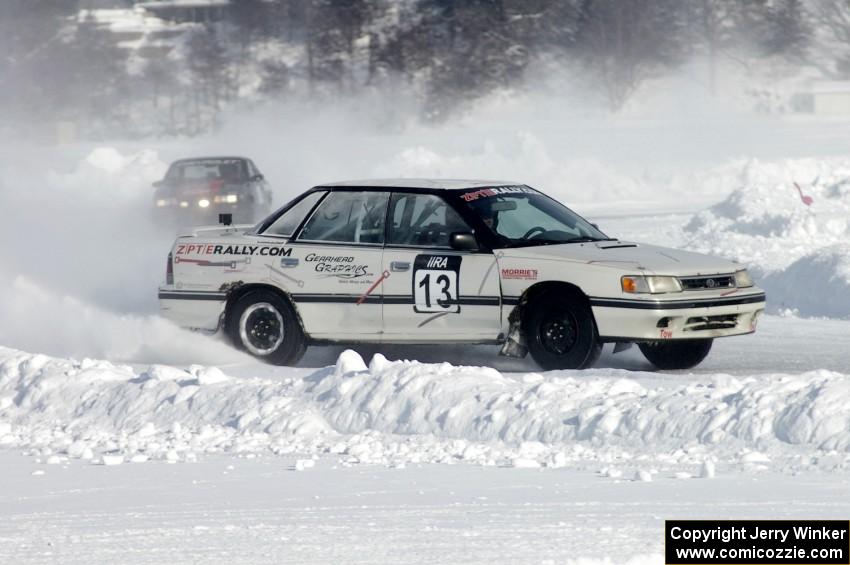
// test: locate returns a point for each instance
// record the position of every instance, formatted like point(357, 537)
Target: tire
point(254, 323)
point(672, 355)
point(560, 331)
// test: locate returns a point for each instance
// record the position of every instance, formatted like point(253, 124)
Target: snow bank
point(403, 411)
point(799, 251)
point(817, 284)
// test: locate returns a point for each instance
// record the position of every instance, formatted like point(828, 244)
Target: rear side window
point(348, 217)
point(423, 220)
point(287, 223)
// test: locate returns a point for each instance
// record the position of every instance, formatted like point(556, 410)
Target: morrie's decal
point(339, 266)
point(496, 191)
point(521, 274)
point(435, 283)
point(212, 249)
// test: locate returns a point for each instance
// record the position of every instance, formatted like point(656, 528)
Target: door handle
point(288, 262)
point(399, 266)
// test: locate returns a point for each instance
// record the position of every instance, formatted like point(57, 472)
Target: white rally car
point(446, 261)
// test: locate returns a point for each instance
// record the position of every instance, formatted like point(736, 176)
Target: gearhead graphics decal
point(342, 267)
point(435, 284)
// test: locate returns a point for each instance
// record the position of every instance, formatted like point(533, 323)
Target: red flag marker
point(807, 200)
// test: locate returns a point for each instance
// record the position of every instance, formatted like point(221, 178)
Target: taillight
point(169, 270)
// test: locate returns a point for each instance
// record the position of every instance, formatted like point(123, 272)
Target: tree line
point(58, 63)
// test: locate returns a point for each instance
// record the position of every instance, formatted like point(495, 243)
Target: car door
point(431, 291)
point(336, 263)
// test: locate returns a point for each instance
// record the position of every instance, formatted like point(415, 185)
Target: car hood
point(629, 256)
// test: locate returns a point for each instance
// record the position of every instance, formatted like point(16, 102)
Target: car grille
point(715, 282)
point(723, 322)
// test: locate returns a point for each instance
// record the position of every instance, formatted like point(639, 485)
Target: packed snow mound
point(790, 221)
point(818, 284)
point(403, 411)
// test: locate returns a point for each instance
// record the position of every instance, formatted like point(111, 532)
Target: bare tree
point(832, 18)
point(624, 42)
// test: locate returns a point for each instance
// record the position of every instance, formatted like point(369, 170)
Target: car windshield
point(521, 217)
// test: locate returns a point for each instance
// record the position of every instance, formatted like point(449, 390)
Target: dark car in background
point(195, 191)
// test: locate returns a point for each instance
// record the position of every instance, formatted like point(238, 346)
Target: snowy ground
point(124, 439)
point(238, 510)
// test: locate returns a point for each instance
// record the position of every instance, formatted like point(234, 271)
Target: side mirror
point(258, 176)
point(463, 241)
point(158, 184)
point(595, 226)
point(225, 219)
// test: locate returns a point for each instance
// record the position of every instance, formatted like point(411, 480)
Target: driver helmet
point(485, 211)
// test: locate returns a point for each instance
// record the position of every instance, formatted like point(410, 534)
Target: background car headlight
point(226, 198)
point(743, 279)
point(641, 284)
point(203, 203)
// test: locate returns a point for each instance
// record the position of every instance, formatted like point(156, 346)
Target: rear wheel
point(670, 355)
point(265, 325)
point(560, 331)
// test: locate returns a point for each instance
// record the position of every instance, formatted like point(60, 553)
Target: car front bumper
point(620, 319)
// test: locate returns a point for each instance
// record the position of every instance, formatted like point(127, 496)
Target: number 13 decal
point(435, 283)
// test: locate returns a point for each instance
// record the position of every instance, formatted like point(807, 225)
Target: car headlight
point(643, 284)
point(226, 198)
point(743, 279)
point(203, 203)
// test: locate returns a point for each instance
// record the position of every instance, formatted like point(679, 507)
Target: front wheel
point(560, 332)
point(265, 325)
point(671, 355)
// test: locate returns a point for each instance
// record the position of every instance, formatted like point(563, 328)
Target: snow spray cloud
point(81, 260)
point(35, 319)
